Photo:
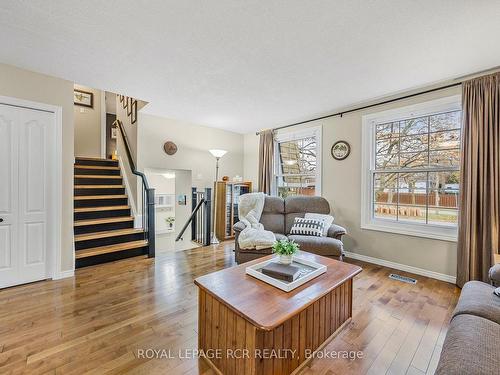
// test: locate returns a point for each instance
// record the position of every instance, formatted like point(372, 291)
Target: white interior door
point(26, 154)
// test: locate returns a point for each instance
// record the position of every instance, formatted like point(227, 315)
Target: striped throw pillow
point(308, 227)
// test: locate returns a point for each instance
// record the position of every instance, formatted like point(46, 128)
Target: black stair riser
point(98, 181)
point(98, 259)
point(100, 191)
point(101, 163)
point(103, 227)
point(101, 214)
point(101, 202)
point(100, 172)
point(80, 245)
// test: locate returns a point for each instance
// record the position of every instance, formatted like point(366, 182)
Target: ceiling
point(244, 65)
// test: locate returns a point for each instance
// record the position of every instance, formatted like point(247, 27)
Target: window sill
point(435, 233)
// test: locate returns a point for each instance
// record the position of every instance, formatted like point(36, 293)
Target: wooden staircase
point(104, 227)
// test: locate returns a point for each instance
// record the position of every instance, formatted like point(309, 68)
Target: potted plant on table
point(170, 221)
point(285, 249)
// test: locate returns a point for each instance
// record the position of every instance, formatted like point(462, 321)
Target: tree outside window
point(296, 166)
point(416, 172)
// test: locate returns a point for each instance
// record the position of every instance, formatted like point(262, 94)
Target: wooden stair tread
point(101, 208)
point(106, 234)
point(97, 167)
point(93, 159)
point(99, 186)
point(120, 219)
point(89, 197)
point(110, 249)
point(97, 176)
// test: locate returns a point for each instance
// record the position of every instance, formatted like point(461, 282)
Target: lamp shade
point(218, 153)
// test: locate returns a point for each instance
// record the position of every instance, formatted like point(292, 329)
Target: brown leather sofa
point(278, 216)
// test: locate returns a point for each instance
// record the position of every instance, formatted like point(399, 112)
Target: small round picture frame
point(340, 150)
point(170, 148)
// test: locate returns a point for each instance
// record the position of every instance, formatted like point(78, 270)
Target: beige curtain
point(266, 161)
point(478, 237)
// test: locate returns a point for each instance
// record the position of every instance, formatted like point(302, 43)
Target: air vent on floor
point(404, 279)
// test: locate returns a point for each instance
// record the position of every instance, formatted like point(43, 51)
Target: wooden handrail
point(119, 125)
point(148, 213)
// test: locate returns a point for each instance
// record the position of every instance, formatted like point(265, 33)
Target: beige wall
point(88, 126)
point(23, 84)
point(251, 159)
point(341, 185)
point(131, 131)
point(193, 142)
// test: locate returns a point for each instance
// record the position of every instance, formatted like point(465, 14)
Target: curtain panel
point(266, 161)
point(478, 236)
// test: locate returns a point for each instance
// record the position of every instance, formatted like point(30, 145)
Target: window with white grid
point(297, 163)
point(412, 169)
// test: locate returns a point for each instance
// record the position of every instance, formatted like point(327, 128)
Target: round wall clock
point(170, 148)
point(340, 150)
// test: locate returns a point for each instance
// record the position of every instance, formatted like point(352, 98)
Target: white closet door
point(26, 143)
point(9, 227)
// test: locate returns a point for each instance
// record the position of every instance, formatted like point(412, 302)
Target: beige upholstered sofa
point(472, 342)
point(278, 217)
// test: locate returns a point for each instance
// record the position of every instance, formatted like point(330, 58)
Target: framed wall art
point(170, 148)
point(83, 98)
point(133, 115)
point(129, 106)
point(340, 150)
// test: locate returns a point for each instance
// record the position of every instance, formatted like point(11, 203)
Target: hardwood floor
point(99, 321)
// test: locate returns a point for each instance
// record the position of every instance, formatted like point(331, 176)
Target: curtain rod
point(366, 106)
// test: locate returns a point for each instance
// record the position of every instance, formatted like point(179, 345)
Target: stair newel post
point(150, 195)
point(208, 216)
point(193, 206)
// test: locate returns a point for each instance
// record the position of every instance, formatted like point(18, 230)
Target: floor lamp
point(217, 154)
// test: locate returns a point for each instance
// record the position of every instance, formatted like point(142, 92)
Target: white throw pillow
point(308, 227)
point(327, 219)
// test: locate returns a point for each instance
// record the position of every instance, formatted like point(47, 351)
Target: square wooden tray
point(318, 269)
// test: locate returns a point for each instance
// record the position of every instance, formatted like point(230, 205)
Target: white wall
point(162, 186)
point(180, 184)
point(88, 126)
point(341, 185)
point(193, 142)
point(183, 183)
point(24, 84)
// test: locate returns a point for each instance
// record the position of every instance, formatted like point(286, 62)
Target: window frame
point(280, 137)
point(369, 122)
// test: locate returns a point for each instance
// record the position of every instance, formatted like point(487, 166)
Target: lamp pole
point(215, 240)
point(217, 154)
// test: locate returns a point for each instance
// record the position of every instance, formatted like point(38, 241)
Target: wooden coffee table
point(246, 326)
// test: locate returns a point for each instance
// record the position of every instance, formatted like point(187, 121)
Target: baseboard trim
point(64, 275)
point(402, 267)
